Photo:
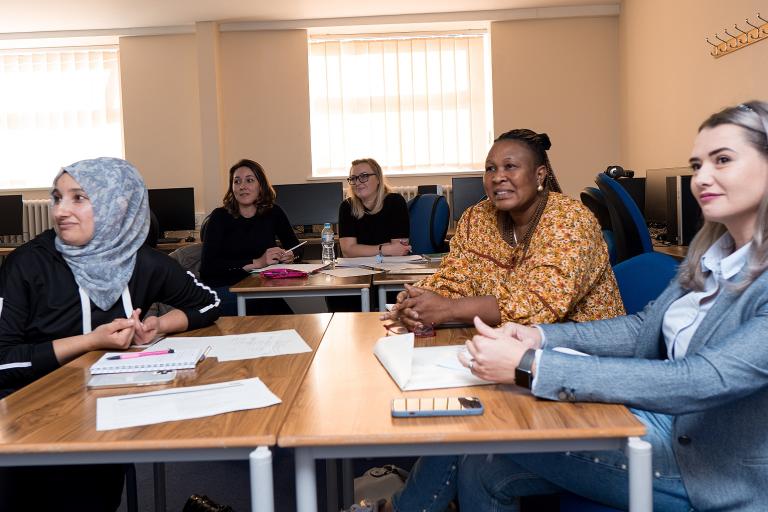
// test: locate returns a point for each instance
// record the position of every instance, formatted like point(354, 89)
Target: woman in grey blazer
point(693, 365)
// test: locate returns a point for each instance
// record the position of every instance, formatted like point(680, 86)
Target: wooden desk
point(678, 252)
point(345, 412)
point(5, 251)
point(53, 420)
point(386, 282)
point(315, 285)
point(169, 248)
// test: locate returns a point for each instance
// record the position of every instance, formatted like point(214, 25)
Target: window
point(416, 103)
point(57, 106)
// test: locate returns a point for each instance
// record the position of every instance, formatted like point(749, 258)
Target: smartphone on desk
point(437, 406)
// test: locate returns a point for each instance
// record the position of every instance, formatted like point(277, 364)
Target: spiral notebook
point(178, 360)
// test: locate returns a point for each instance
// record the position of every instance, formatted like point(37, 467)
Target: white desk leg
point(365, 300)
point(640, 475)
point(382, 299)
point(262, 487)
point(306, 484)
point(240, 305)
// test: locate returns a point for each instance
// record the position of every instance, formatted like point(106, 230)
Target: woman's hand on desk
point(494, 354)
point(286, 257)
point(397, 247)
point(423, 307)
point(270, 256)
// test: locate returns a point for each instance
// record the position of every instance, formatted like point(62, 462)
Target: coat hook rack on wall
point(732, 42)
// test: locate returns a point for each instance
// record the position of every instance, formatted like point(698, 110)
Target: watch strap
point(523, 377)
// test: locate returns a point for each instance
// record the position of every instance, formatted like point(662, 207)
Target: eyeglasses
point(362, 178)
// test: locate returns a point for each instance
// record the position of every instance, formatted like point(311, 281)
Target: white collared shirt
point(685, 315)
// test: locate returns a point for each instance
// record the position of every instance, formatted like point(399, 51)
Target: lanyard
point(85, 305)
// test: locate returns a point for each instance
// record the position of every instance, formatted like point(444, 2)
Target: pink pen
point(133, 355)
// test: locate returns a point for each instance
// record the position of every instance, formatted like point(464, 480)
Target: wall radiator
point(36, 219)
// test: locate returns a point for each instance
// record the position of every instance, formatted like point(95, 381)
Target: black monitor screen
point(656, 192)
point(466, 192)
point(310, 203)
point(174, 208)
point(11, 215)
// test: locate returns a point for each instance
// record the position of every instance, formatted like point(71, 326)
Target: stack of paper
point(424, 367)
point(302, 267)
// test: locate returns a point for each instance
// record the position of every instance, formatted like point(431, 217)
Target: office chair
point(627, 223)
point(429, 214)
point(593, 199)
point(643, 277)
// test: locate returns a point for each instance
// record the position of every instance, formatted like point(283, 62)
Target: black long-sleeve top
point(389, 223)
point(231, 243)
point(40, 302)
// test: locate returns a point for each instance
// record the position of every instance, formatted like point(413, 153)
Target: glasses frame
point(362, 177)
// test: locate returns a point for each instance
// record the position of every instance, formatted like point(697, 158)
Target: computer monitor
point(174, 208)
point(310, 203)
point(467, 191)
point(656, 193)
point(635, 187)
point(11, 215)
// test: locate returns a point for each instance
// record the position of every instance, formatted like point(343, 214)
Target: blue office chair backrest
point(627, 222)
point(642, 278)
point(429, 215)
point(593, 199)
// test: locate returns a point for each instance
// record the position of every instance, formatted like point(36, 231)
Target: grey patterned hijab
point(103, 266)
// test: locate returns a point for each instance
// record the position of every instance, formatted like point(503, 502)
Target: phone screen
point(437, 406)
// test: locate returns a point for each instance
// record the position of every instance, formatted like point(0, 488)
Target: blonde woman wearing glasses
point(372, 220)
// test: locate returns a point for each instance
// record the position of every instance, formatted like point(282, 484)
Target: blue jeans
point(494, 483)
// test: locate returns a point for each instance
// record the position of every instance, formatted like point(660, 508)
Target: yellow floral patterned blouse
point(564, 276)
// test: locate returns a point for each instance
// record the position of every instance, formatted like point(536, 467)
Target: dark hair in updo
point(538, 143)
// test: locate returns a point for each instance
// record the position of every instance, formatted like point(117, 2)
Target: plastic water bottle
point(326, 239)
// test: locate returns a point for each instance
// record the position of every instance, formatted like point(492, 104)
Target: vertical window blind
point(57, 106)
point(417, 104)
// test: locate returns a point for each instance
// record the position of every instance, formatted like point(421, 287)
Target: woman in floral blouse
point(527, 254)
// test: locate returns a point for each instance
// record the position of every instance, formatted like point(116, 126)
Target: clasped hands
point(493, 354)
point(419, 307)
point(122, 332)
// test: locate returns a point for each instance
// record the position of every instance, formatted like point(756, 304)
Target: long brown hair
point(753, 118)
point(267, 195)
point(358, 209)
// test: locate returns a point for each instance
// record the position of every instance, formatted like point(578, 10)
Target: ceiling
point(20, 16)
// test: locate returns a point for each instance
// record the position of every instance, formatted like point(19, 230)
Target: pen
point(296, 246)
point(133, 355)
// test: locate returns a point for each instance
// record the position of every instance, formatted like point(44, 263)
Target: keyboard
point(173, 240)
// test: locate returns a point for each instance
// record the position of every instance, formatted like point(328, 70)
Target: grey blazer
point(718, 393)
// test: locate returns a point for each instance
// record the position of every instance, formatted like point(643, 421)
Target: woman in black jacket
point(241, 236)
point(80, 289)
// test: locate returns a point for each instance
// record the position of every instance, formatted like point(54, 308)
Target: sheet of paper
point(182, 403)
point(424, 367)
point(235, 347)
point(350, 272)
point(405, 268)
point(368, 261)
point(302, 267)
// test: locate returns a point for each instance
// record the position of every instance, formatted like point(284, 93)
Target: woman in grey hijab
point(82, 288)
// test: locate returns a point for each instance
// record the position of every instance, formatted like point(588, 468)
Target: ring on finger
point(471, 365)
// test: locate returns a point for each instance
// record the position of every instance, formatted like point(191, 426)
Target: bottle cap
point(327, 225)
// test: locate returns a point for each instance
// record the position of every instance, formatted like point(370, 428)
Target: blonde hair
point(358, 209)
point(752, 117)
